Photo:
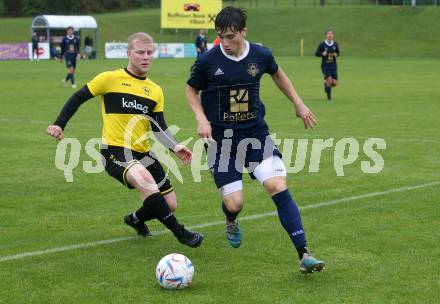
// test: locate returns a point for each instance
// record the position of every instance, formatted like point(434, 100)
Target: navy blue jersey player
point(70, 53)
point(328, 50)
point(230, 117)
point(201, 44)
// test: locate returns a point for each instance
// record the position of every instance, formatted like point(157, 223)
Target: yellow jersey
point(127, 102)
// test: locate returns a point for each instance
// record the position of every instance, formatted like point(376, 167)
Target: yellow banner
point(189, 14)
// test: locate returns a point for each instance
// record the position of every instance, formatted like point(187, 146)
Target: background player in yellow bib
point(131, 103)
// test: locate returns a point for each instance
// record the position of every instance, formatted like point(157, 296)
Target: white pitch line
point(209, 224)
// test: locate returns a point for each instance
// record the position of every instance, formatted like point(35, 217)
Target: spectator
point(201, 44)
point(35, 41)
point(88, 43)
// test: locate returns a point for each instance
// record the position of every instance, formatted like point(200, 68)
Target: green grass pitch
point(380, 243)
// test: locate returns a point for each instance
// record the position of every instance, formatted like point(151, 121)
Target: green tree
point(13, 8)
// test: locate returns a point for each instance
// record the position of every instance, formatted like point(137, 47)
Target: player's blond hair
point(139, 36)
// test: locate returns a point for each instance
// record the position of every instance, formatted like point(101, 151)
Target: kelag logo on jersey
point(123, 103)
point(134, 105)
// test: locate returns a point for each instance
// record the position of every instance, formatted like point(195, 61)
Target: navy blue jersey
point(331, 48)
point(35, 41)
point(70, 46)
point(231, 86)
point(201, 43)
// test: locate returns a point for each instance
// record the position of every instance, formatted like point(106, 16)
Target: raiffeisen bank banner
point(189, 14)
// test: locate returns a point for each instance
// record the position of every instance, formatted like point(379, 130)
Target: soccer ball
point(174, 271)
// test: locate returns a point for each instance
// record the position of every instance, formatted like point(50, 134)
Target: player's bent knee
point(232, 195)
point(234, 208)
point(141, 179)
point(275, 185)
point(234, 201)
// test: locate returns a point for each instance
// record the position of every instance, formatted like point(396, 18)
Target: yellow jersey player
point(131, 103)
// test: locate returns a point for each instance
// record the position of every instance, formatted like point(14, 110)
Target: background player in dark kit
point(328, 50)
point(70, 52)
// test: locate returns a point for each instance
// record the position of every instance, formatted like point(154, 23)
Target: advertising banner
point(14, 51)
point(171, 50)
point(114, 50)
point(43, 50)
point(118, 50)
point(189, 14)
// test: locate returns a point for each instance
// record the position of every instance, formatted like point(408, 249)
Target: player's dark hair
point(70, 28)
point(230, 17)
point(328, 30)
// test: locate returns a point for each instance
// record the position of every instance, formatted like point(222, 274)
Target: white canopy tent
point(58, 23)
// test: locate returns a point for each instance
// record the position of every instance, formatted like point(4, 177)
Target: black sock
point(67, 77)
point(229, 215)
point(72, 78)
point(328, 91)
point(145, 213)
point(155, 206)
point(301, 250)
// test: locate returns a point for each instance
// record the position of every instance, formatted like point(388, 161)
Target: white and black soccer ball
point(174, 271)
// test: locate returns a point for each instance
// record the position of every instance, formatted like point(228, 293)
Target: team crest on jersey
point(147, 91)
point(253, 69)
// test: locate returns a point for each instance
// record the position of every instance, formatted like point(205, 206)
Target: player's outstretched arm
point(203, 126)
point(166, 138)
point(69, 109)
point(302, 111)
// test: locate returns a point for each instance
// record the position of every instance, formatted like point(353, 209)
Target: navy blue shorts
point(70, 61)
point(330, 71)
point(246, 148)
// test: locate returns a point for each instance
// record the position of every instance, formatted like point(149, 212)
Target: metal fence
point(290, 3)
